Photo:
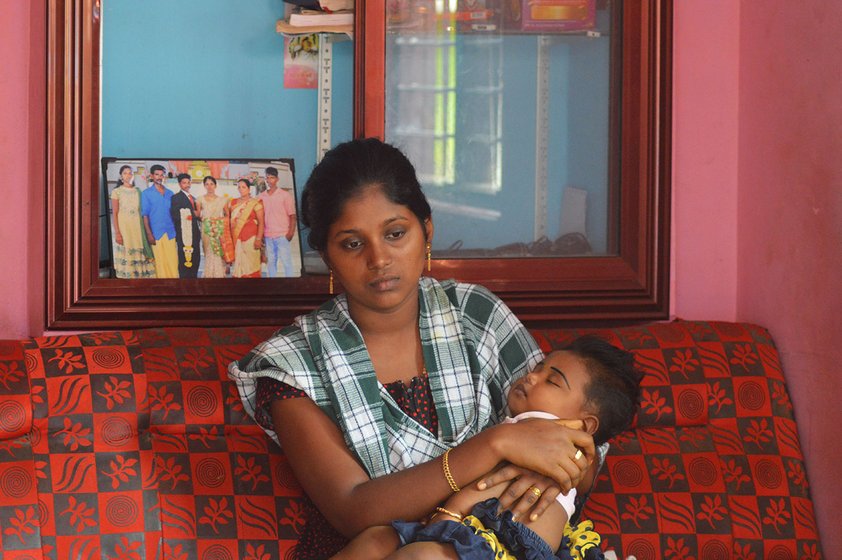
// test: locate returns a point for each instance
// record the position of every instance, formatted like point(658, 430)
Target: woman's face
point(210, 187)
point(243, 188)
point(126, 176)
point(376, 249)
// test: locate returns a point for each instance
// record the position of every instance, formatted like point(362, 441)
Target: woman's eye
point(396, 234)
point(352, 244)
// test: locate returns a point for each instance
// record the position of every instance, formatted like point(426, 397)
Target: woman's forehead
point(370, 203)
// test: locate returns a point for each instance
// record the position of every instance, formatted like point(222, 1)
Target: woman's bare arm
point(330, 474)
point(118, 236)
point(549, 526)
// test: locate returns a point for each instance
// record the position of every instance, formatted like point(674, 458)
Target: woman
point(383, 394)
point(217, 247)
point(132, 254)
point(247, 232)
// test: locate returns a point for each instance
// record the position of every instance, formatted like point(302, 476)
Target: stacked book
point(303, 20)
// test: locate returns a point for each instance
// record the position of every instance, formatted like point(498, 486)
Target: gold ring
point(578, 454)
point(536, 491)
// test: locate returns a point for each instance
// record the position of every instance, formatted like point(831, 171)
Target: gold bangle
point(452, 514)
point(445, 466)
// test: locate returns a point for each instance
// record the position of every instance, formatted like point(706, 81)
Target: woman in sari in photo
point(247, 231)
point(132, 254)
point(217, 246)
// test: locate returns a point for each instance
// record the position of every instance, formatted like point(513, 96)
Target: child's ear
point(591, 423)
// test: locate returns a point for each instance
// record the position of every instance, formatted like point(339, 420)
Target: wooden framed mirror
point(629, 286)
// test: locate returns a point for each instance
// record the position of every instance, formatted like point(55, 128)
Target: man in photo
point(186, 219)
point(157, 221)
point(279, 207)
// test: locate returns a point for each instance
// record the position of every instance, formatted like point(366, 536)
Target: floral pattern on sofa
point(134, 445)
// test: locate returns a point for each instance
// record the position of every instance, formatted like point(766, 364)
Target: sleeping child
point(589, 385)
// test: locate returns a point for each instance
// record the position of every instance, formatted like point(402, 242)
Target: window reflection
point(508, 127)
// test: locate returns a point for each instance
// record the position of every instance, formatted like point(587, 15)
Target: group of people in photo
point(161, 234)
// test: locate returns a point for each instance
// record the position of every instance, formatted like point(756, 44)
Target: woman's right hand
point(118, 238)
point(547, 448)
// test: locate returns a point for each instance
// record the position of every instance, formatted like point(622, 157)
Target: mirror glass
point(506, 109)
point(200, 80)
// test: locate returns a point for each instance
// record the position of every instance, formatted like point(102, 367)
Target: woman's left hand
point(528, 493)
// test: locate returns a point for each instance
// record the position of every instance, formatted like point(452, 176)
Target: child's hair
point(613, 390)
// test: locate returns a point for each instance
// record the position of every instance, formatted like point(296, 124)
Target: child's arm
point(517, 498)
point(372, 544)
point(549, 525)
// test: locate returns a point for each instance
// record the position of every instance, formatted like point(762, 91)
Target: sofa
point(133, 445)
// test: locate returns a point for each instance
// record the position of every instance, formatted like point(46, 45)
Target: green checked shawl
point(473, 347)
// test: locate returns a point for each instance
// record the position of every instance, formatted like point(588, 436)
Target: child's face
point(556, 385)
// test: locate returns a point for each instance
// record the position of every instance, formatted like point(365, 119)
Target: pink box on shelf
point(550, 16)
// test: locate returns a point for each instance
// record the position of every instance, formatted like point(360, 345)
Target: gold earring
point(429, 256)
point(330, 283)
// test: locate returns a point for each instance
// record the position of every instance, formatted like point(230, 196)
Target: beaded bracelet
point(452, 514)
point(445, 466)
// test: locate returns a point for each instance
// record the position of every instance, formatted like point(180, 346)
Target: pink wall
point(790, 219)
point(22, 121)
point(705, 124)
point(757, 210)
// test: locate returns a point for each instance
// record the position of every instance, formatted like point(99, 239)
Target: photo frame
point(198, 214)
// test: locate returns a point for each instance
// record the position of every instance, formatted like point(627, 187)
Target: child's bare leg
point(425, 551)
point(374, 543)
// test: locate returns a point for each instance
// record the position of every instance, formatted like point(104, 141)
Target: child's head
point(589, 380)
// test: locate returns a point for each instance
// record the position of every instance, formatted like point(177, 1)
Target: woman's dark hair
point(348, 169)
point(209, 178)
point(123, 168)
point(614, 386)
point(244, 180)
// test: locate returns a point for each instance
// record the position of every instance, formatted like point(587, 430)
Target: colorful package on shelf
point(550, 15)
point(477, 15)
point(469, 15)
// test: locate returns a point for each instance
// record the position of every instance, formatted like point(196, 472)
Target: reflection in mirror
point(199, 80)
point(507, 121)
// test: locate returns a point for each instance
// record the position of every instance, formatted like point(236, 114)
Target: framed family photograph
point(199, 218)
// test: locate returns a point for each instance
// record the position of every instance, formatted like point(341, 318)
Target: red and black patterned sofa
point(133, 445)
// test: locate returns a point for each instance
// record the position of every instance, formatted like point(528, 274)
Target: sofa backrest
point(713, 468)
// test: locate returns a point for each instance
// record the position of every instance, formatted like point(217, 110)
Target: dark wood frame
point(633, 286)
